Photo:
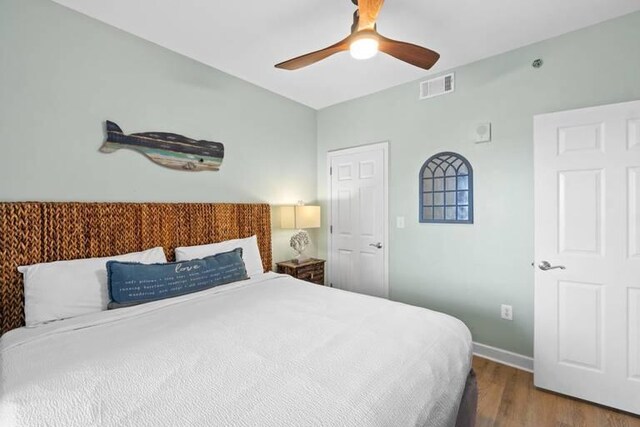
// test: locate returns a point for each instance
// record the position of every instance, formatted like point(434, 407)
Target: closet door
point(357, 259)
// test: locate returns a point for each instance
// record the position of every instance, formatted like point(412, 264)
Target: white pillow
point(250, 252)
point(63, 289)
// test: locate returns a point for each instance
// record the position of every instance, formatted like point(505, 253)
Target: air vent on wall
point(437, 86)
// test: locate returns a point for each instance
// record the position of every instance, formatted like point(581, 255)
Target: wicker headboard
point(34, 232)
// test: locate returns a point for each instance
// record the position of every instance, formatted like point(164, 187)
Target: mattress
point(269, 351)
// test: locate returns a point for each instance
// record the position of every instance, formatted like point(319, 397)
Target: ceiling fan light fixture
point(364, 42)
point(364, 47)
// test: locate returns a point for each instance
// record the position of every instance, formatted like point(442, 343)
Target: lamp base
point(299, 243)
point(301, 259)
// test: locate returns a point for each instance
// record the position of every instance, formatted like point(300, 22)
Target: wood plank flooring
point(507, 398)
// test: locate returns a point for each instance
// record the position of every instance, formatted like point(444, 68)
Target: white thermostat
point(483, 133)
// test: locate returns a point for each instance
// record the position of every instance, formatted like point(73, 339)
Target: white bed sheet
point(270, 351)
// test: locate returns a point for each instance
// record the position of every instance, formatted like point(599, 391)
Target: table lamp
point(300, 217)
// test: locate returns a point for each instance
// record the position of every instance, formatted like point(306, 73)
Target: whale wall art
point(167, 149)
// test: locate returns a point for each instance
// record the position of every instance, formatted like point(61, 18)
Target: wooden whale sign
point(167, 149)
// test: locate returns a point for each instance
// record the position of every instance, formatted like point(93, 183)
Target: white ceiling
point(246, 38)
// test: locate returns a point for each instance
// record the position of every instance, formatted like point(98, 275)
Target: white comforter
point(271, 351)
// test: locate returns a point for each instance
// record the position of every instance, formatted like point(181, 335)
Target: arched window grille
point(446, 189)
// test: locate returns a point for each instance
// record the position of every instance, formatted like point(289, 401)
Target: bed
point(269, 351)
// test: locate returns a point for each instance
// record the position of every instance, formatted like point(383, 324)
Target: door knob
point(376, 245)
point(545, 265)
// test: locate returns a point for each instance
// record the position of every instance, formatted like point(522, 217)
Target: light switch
point(400, 222)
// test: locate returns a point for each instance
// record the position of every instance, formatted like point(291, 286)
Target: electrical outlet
point(506, 312)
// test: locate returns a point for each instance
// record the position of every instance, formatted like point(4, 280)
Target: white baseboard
point(505, 357)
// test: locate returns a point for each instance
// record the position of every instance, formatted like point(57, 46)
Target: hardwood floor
point(507, 398)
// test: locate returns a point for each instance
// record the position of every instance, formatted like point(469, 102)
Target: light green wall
point(62, 74)
point(469, 270)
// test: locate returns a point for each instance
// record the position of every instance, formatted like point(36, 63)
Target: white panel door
point(587, 220)
point(357, 259)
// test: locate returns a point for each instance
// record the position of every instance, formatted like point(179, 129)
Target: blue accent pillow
point(132, 283)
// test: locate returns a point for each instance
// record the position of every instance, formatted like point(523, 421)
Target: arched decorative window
point(446, 189)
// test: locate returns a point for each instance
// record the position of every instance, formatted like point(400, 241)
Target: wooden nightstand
point(311, 270)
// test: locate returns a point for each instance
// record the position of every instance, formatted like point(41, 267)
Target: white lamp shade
point(287, 217)
point(307, 216)
point(299, 217)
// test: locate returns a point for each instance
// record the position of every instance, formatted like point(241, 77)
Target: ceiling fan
point(365, 41)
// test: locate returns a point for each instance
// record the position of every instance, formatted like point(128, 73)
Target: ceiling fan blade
point(410, 53)
point(313, 57)
point(368, 11)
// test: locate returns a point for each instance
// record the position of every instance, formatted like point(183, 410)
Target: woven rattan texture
point(35, 232)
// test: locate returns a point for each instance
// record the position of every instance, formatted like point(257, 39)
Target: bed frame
point(35, 232)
